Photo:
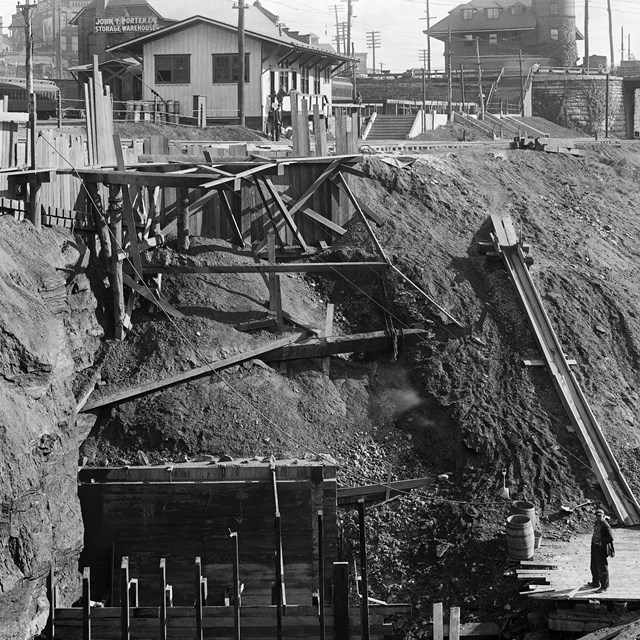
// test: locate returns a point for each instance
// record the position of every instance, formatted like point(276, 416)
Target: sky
point(400, 26)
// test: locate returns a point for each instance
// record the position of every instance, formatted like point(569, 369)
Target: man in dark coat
point(601, 548)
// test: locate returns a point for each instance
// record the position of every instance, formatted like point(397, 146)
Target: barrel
point(520, 539)
point(525, 508)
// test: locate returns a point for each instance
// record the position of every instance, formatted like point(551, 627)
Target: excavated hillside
point(462, 403)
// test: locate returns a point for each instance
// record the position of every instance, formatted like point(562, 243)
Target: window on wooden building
point(492, 13)
point(304, 80)
point(284, 80)
point(467, 14)
point(553, 9)
point(173, 69)
point(516, 10)
point(226, 67)
point(553, 34)
point(294, 80)
point(493, 38)
point(316, 80)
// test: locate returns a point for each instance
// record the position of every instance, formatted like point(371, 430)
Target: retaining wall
point(579, 102)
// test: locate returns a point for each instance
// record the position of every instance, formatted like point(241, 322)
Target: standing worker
point(601, 549)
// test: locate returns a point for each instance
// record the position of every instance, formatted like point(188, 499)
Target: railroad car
point(46, 96)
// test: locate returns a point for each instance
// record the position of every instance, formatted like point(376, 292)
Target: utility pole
point(424, 56)
point(449, 80)
point(480, 79)
point(428, 19)
point(586, 35)
point(373, 42)
point(521, 85)
point(335, 8)
point(349, 18)
point(25, 9)
point(241, 70)
point(462, 88)
point(611, 62)
point(621, 45)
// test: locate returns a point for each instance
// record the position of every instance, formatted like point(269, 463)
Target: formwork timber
point(145, 525)
point(182, 511)
point(571, 575)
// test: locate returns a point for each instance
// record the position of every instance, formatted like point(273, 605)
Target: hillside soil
point(461, 404)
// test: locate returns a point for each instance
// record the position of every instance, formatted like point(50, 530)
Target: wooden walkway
point(570, 575)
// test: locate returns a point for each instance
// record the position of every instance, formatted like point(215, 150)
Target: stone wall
point(579, 102)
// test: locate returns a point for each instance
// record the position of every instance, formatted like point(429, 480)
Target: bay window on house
point(173, 69)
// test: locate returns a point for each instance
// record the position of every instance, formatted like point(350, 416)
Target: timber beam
point(374, 341)
point(315, 267)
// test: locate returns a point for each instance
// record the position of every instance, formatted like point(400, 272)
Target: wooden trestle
point(299, 203)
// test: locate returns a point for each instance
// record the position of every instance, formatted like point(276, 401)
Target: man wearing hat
point(601, 548)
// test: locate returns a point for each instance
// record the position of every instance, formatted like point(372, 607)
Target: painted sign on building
point(123, 24)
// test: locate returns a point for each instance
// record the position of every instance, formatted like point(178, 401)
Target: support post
point(115, 223)
point(163, 601)
point(275, 293)
point(606, 109)
point(198, 605)
point(449, 79)
point(99, 220)
point(86, 604)
point(341, 600)
point(328, 330)
point(280, 598)
point(184, 242)
point(480, 94)
point(321, 573)
point(454, 623)
point(237, 594)
point(521, 84)
point(241, 64)
point(438, 628)
point(364, 589)
point(124, 599)
point(50, 628)
point(462, 109)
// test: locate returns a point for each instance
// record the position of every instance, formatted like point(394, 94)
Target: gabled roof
point(480, 22)
point(220, 13)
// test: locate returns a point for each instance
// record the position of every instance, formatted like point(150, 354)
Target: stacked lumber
point(99, 110)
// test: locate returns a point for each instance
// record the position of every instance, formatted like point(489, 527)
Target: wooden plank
point(366, 209)
point(332, 345)
point(317, 217)
point(438, 629)
point(320, 131)
point(357, 207)
point(134, 251)
point(226, 206)
point(328, 331)
point(145, 293)
point(350, 495)
point(291, 267)
point(454, 623)
point(305, 142)
point(193, 374)
point(288, 215)
point(325, 175)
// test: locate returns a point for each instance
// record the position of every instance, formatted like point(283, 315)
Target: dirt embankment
point(48, 332)
point(457, 405)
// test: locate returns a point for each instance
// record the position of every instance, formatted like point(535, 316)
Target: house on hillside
point(498, 32)
point(192, 60)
